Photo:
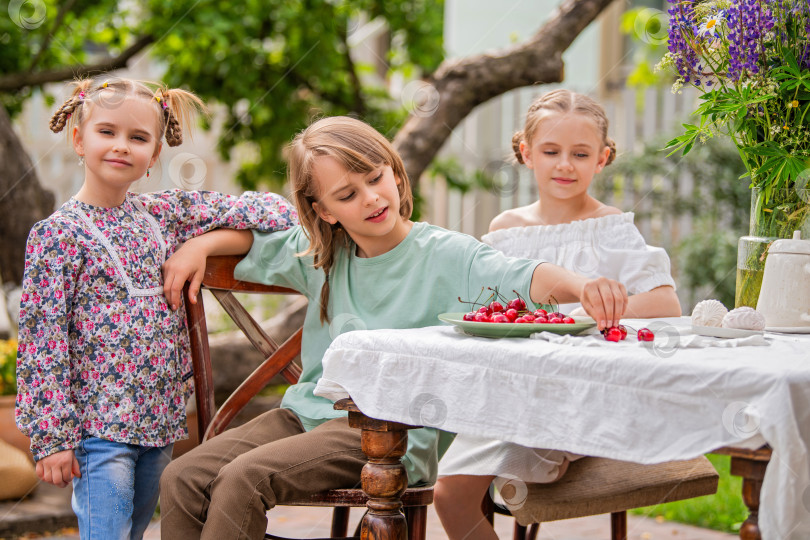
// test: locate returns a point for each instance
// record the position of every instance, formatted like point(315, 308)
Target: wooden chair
point(278, 360)
point(598, 485)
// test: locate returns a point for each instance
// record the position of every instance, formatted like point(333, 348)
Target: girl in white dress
point(565, 143)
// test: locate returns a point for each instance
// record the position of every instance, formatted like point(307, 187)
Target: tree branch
point(60, 17)
point(466, 83)
point(17, 81)
point(360, 105)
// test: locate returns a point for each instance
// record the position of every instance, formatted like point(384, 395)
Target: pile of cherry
point(515, 311)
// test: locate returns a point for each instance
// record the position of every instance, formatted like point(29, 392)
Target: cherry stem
point(474, 302)
point(501, 297)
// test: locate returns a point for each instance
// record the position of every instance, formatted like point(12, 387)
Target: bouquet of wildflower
point(751, 60)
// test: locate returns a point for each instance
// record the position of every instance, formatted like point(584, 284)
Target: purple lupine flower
point(748, 21)
point(681, 16)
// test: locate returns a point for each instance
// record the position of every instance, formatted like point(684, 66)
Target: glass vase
point(772, 217)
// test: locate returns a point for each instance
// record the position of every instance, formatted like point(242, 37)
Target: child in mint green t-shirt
point(362, 264)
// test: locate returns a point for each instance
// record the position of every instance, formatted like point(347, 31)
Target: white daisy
point(710, 26)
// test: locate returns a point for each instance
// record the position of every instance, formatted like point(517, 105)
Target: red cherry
point(568, 320)
point(540, 312)
point(613, 334)
point(481, 317)
point(485, 310)
point(623, 330)
point(470, 316)
point(556, 314)
point(645, 334)
point(500, 318)
point(521, 320)
point(555, 320)
point(542, 319)
point(517, 304)
point(511, 314)
point(529, 317)
point(496, 306)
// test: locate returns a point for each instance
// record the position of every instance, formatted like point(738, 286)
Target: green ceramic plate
point(500, 330)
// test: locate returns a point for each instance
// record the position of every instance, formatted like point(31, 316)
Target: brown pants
point(223, 488)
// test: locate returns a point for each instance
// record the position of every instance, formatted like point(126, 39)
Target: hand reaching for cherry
point(501, 310)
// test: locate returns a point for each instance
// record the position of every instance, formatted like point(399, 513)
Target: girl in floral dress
point(103, 365)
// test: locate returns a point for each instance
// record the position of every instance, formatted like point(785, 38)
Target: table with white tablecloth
point(675, 398)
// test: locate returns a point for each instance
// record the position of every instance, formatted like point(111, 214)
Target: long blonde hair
point(563, 101)
point(174, 108)
point(359, 148)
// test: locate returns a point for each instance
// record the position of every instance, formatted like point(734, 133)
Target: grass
point(723, 511)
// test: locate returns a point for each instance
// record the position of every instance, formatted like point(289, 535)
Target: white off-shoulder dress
point(609, 246)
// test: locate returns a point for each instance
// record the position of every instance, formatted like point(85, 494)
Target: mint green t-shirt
point(407, 287)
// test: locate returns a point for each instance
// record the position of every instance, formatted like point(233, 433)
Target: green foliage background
point(272, 64)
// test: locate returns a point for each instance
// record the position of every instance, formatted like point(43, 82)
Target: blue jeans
point(117, 494)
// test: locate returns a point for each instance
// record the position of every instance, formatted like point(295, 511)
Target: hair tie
point(105, 84)
point(81, 95)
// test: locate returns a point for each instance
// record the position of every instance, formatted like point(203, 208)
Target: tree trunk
point(23, 202)
point(461, 85)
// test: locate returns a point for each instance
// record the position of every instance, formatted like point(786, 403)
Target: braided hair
point(176, 108)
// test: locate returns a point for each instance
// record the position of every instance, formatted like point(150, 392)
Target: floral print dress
point(100, 353)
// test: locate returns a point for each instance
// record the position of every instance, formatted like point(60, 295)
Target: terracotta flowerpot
point(8, 429)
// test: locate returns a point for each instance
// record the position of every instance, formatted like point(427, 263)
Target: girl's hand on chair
point(59, 469)
point(185, 264)
point(605, 300)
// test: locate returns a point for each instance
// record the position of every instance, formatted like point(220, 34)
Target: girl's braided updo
point(175, 107)
point(563, 101)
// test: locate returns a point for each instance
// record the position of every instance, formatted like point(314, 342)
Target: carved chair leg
point(618, 526)
point(520, 532)
point(488, 508)
point(340, 521)
point(416, 517)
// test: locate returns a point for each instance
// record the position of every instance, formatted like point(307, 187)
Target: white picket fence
point(483, 141)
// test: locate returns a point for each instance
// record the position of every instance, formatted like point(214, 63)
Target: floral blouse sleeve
point(45, 411)
point(186, 214)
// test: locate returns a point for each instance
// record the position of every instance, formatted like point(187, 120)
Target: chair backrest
point(278, 358)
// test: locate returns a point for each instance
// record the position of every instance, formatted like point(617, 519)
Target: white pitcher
point(784, 299)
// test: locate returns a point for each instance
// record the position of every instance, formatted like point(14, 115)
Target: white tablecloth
point(646, 403)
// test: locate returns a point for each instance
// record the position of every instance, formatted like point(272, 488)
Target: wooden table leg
point(752, 473)
point(751, 465)
point(383, 478)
